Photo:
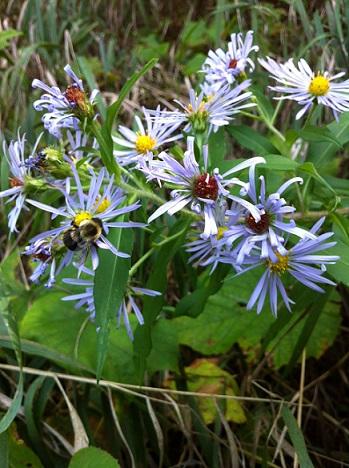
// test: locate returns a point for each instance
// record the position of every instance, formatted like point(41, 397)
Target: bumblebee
point(78, 237)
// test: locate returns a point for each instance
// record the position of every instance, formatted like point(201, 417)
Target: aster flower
point(209, 111)
point(49, 255)
point(299, 83)
point(225, 67)
point(78, 141)
point(88, 216)
point(148, 138)
point(195, 186)
point(64, 109)
point(267, 233)
point(20, 180)
point(85, 299)
point(302, 262)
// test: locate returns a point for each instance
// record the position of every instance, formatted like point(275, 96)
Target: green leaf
point(322, 153)
point(110, 283)
point(296, 438)
point(309, 168)
point(114, 108)
point(218, 148)
point(225, 321)
point(312, 133)
point(92, 457)
point(251, 139)
point(20, 454)
point(11, 324)
point(6, 35)
point(46, 323)
point(4, 450)
point(340, 270)
point(194, 64)
point(275, 162)
point(152, 306)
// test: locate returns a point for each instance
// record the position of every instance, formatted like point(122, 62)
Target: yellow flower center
point(145, 143)
point(221, 231)
point(279, 267)
point(319, 86)
point(82, 216)
point(103, 205)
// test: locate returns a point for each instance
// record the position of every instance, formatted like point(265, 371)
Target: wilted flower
point(64, 109)
point(85, 299)
point(146, 139)
point(299, 83)
point(222, 67)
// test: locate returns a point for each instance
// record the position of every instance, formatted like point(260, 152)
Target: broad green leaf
point(312, 133)
point(19, 453)
point(152, 305)
point(251, 139)
point(4, 450)
point(92, 457)
point(264, 104)
point(110, 284)
point(275, 162)
point(321, 153)
point(46, 323)
point(217, 148)
point(310, 169)
point(225, 321)
point(340, 270)
point(297, 438)
point(194, 64)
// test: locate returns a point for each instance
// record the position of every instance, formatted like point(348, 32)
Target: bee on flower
point(146, 139)
point(64, 109)
point(301, 84)
point(88, 216)
point(226, 67)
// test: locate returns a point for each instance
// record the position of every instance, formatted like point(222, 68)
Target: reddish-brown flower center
point(42, 256)
point(75, 96)
point(15, 182)
point(233, 63)
point(205, 186)
point(260, 226)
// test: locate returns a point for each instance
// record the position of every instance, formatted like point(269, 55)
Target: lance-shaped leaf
point(109, 288)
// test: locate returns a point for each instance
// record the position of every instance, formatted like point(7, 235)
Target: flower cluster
point(235, 220)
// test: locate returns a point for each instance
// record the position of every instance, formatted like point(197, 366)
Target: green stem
point(140, 261)
point(318, 214)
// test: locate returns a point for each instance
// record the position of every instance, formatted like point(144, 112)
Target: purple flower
point(20, 177)
point(267, 233)
point(302, 262)
point(85, 299)
point(88, 216)
point(64, 109)
point(195, 186)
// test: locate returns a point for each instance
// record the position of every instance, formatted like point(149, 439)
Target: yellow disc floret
point(319, 86)
point(279, 267)
point(145, 143)
point(82, 216)
point(220, 232)
point(103, 205)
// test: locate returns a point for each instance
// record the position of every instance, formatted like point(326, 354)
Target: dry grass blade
point(158, 431)
point(234, 453)
point(118, 428)
point(80, 436)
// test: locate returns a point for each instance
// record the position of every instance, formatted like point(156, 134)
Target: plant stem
point(135, 267)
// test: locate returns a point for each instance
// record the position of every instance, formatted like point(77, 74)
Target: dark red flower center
point(233, 63)
point(43, 257)
point(260, 226)
point(74, 95)
point(205, 186)
point(15, 182)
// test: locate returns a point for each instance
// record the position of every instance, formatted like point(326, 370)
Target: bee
point(78, 237)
